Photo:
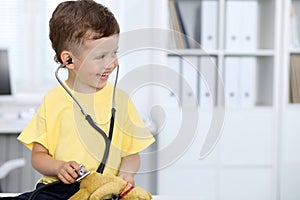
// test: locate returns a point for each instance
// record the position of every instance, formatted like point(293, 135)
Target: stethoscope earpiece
point(69, 61)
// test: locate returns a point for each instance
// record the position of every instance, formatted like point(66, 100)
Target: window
point(12, 34)
point(48, 53)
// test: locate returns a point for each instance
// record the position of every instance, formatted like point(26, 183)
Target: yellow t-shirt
point(60, 127)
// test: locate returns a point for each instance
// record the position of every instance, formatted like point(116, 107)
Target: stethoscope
point(89, 119)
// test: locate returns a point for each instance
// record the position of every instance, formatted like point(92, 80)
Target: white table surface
point(177, 198)
point(154, 197)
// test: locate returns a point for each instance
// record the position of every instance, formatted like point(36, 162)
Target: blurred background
point(216, 81)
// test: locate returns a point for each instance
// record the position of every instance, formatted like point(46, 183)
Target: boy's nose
point(113, 64)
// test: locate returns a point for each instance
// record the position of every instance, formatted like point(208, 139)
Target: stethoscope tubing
point(91, 121)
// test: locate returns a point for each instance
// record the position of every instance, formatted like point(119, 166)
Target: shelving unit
point(290, 112)
point(245, 164)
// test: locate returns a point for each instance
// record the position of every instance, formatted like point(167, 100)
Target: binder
point(248, 25)
point(294, 38)
point(182, 27)
point(176, 26)
point(209, 22)
point(232, 76)
point(173, 25)
point(247, 93)
point(241, 25)
point(208, 81)
point(248, 29)
point(189, 81)
point(233, 23)
point(172, 98)
point(190, 12)
point(198, 29)
point(295, 79)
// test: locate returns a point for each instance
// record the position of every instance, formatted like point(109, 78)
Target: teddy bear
point(98, 186)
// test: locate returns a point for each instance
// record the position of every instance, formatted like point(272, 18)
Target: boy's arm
point(47, 165)
point(129, 166)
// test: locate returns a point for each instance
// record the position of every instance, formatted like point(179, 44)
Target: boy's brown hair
point(74, 22)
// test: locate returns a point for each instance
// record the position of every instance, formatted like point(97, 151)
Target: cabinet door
point(188, 181)
point(290, 176)
point(21, 179)
point(246, 184)
point(187, 175)
point(248, 138)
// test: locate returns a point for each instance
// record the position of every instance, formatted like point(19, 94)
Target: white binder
point(189, 81)
point(169, 95)
point(232, 76)
point(248, 25)
point(233, 25)
point(209, 22)
point(248, 89)
point(208, 80)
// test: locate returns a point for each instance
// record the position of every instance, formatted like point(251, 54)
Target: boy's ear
point(66, 58)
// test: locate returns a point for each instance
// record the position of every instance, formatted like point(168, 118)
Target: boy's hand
point(68, 172)
point(127, 177)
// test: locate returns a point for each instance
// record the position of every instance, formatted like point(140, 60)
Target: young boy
point(84, 35)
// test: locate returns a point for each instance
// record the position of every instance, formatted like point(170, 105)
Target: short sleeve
point(36, 130)
point(136, 136)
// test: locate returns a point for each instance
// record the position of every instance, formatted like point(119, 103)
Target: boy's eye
point(115, 53)
point(100, 57)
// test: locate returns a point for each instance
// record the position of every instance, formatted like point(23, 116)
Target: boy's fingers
point(127, 178)
point(75, 165)
point(69, 178)
point(63, 179)
point(72, 172)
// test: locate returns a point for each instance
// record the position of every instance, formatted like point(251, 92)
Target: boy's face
point(94, 64)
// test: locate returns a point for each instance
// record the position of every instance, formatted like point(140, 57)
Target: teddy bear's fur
point(98, 186)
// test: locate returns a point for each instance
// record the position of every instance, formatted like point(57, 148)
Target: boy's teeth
point(104, 75)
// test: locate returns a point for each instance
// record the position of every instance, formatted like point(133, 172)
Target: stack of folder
point(295, 79)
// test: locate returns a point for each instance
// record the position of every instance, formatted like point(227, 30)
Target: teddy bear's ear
point(149, 195)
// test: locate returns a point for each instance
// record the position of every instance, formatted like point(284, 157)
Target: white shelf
point(200, 52)
point(12, 126)
point(192, 52)
point(256, 53)
point(295, 51)
point(293, 107)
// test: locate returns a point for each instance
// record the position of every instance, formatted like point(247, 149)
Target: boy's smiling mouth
point(104, 75)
